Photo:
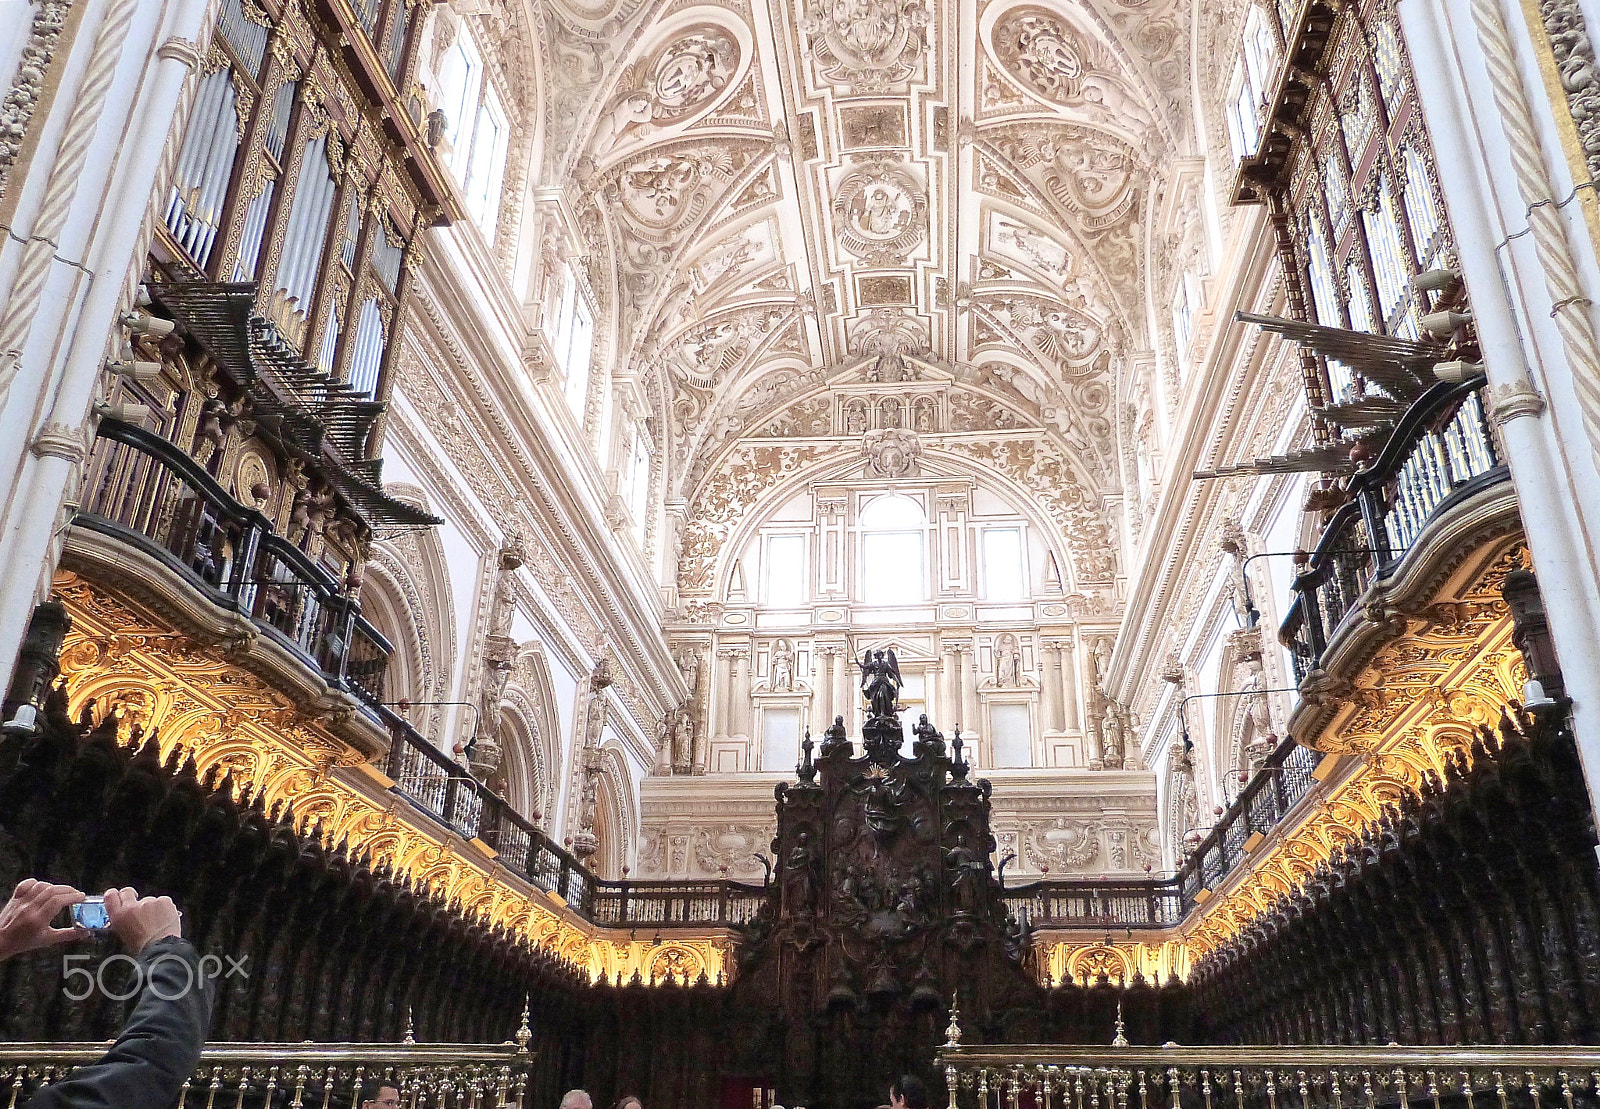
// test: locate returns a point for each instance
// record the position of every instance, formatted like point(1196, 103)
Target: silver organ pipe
point(387, 257)
point(395, 48)
point(247, 37)
point(278, 127)
point(330, 344)
point(255, 218)
point(308, 226)
point(352, 234)
point(366, 357)
point(194, 206)
point(255, 226)
point(367, 12)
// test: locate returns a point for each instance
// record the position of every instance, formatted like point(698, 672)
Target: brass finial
point(524, 1033)
point(1120, 1040)
point(952, 1034)
point(411, 1033)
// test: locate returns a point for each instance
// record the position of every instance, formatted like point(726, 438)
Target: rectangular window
point(639, 484)
point(780, 740)
point(1182, 321)
point(1010, 737)
point(575, 363)
point(1002, 565)
point(891, 567)
point(488, 166)
point(914, 696)
point(460, 75)
point(786, 571)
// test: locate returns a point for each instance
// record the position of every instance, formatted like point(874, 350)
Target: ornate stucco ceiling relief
point(866, 46)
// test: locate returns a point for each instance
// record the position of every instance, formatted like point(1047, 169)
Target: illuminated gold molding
point(1411, 710)
point(1083, 962)
point(157, 680)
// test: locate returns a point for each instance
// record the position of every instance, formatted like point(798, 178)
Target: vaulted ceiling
point(786, 194)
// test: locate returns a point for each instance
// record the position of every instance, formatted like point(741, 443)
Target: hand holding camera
point(25, 919)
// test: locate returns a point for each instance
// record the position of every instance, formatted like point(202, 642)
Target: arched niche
point(406, 595)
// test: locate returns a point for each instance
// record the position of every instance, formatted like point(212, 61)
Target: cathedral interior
point(730, 552)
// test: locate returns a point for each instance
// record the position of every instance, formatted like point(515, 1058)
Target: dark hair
point(624, 1099)
point(911, 1089)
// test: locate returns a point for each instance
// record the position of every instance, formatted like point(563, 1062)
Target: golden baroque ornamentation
point(200, 705)
point(1413, 709)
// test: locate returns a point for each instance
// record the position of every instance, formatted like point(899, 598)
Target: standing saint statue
point(880, 681)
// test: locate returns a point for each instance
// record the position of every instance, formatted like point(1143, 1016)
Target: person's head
point(908, 1092)
point(627, 1101)
point(386, 1097)
point(576, 1099)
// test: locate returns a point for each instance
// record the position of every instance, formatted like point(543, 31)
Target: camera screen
point(91, 914)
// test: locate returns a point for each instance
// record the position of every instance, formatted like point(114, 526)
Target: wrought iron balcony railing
point(1093, 903)
point(1440, 452)
point(143, 490)
point(428, 1076)
point(1173, 1077)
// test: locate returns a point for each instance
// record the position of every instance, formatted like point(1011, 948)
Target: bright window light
point(786, 571)
point(1002, 565)
point(1012, 745)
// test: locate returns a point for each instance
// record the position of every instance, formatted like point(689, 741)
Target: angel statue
point(880, 681)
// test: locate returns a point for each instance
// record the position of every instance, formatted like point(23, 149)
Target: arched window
point(894, 543)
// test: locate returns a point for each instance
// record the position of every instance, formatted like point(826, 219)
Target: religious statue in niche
point(1007, 662)
point(891, 452)
point(783, 667)
point(880, 681)
point(683, 742)
point(855, 417)
point(1114, 737)
point(800, 875)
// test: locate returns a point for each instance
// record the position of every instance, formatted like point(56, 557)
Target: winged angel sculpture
point(880, 681)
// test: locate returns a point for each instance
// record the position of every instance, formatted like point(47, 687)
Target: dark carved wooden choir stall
point(884, 905)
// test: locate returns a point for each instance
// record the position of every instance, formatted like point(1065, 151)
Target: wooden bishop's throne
point(884, 905)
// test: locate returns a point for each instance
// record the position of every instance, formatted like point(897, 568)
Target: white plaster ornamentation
point(891, 452)
point(870, 45)
point(22, 98)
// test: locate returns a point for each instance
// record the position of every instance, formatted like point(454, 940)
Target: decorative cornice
point(1513, 400)
point(58, 440)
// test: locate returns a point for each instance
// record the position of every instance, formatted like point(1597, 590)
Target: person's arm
point(159, 1047)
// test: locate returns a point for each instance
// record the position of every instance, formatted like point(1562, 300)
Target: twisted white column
point(61, 190)
point(1570, 304)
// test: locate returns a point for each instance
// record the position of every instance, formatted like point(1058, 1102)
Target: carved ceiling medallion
point(881, 212)
point(869, 44)
point(692, 70)
point(1037, 49)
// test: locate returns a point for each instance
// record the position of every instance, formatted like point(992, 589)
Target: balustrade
point(144, 490)
point(1441, 448)
point(262, 1075)
point(1173, 1077)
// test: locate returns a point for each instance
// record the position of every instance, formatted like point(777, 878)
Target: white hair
point(577, 1099)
